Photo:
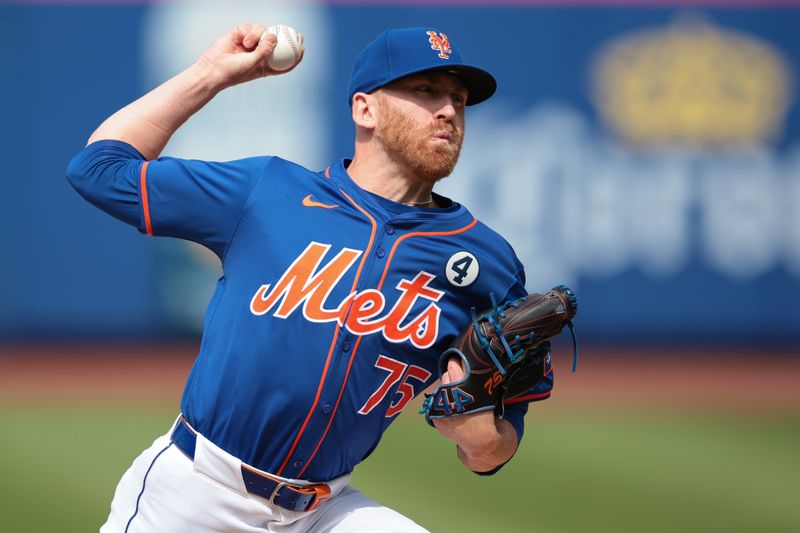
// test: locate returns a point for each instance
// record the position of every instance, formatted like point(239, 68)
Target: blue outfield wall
point(649, 157)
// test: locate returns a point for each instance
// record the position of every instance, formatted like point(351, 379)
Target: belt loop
point(322, 494)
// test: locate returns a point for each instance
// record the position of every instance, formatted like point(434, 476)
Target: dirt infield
point(93, 374)
point(613, 379)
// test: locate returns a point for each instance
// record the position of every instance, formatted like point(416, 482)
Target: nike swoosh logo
point(308, 202)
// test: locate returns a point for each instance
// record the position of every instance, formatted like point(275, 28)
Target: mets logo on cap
point(439, 43)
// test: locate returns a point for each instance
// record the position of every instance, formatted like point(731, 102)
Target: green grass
point(610, 473)
point(575, 472)
point(59, 467)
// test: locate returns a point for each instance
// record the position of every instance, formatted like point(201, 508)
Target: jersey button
point(326, 409)
point(390, 230)
point(346, 346)
point(380, 253)
point(298, 464)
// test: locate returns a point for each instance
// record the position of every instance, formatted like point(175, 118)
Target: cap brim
point(480, 84)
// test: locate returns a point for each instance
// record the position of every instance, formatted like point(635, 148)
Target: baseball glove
point(505, 352)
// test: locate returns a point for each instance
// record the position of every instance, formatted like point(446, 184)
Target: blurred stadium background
point(645, 153)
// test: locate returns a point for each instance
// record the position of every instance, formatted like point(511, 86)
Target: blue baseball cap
point(401, 52)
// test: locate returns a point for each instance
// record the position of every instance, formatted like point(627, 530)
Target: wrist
point(208, 77)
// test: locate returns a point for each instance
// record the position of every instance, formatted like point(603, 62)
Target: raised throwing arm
point(239, 56)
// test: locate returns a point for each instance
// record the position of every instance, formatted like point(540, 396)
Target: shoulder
point(285, 169)
point(267, 171)
point(266, 163)
point(279, 182)
point(493, 245)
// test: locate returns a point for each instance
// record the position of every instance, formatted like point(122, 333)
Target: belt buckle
point(322, 493)
point(278, 487)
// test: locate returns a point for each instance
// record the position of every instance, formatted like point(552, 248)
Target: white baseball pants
point(166, 491)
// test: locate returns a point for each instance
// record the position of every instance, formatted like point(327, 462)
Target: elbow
point(491, 472)
point(105, 175)
point(82, 169)
point(76, 172)
point(102, 162)
point(92, 166)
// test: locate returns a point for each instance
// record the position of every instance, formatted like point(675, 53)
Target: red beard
point(427, 158)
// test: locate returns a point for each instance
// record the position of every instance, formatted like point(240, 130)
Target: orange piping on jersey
point(421, 234)
point(358, 341)
point(335, 406)
point(145, 203)
point(328, 172)
point(355, 346)
point(330, 354)
point(369, 244)
point(316, 401)
point(528, 398)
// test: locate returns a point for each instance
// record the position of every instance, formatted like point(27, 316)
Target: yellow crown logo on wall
point(691, 83)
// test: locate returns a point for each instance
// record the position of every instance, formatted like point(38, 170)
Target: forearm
point(483, 440)
point(488, 455)
point(149, 122)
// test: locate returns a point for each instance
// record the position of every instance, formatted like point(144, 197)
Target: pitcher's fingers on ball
point(268, 36)
point(240, 31)
point(253, 36)
point(263, 51)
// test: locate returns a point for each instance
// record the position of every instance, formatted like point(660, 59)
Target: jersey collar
point(390, 208)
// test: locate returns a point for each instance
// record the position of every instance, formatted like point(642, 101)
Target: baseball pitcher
point(346, 292)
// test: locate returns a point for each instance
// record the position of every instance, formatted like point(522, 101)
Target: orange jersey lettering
point(306, 282)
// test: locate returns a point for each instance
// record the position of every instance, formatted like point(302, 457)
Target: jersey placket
point(342, 360)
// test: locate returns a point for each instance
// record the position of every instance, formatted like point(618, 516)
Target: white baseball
point(288, 50)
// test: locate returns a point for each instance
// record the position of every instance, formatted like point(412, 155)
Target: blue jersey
point(334, 306)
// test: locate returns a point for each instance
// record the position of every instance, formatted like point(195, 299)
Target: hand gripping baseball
point(504, 353)
point(243, 55)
